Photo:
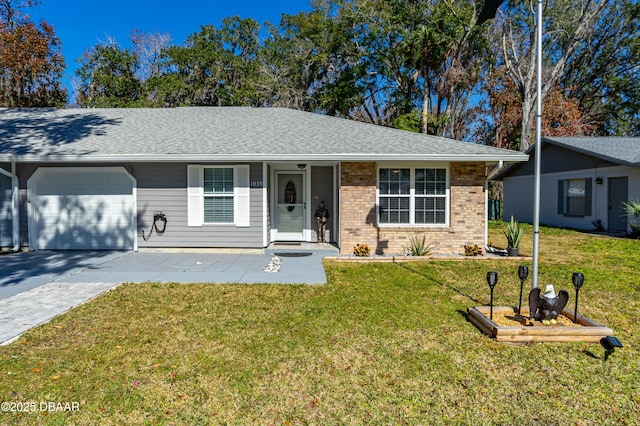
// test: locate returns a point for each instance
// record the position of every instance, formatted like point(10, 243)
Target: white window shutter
point(241, 213)
point(195, 201)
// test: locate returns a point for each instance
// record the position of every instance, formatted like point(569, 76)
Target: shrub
point(361, 250)
point(472, 250)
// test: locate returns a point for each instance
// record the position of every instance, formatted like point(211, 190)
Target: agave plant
point(419, 246)
point(632, 209)
point(513, 233)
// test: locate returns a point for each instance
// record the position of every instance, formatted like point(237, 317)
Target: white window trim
point(412, 195)
point(196, 195)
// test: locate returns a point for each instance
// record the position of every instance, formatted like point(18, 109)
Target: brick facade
point(358, 212)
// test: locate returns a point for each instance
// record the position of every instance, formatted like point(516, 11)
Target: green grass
point(380, 344)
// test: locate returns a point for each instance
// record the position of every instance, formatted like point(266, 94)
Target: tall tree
point(291, 60)
point(31, 64)
point(215, 67)
point(400, 62)
point(604, 75)
point(108, 78)
point(11, 11)
point(566, 24)
point(444, 52)
point(148, 48)
point(562, 116)
point(312, 61)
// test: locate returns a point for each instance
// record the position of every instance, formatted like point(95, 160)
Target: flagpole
point(538, 150)
point(489, 9)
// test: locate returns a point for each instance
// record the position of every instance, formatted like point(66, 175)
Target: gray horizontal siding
point(518, 196)
point(556, 159)
point(164, 188)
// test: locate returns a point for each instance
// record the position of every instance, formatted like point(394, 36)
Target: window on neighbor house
point(574, 197)
point(412, 196)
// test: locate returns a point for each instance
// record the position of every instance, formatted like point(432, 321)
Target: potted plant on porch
point(514, 235)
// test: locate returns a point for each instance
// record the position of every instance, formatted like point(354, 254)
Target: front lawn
point(380, 344)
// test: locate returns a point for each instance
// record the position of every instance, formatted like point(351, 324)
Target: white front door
point(290, 205)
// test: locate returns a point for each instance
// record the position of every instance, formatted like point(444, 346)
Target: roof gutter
point(170, 157)
point(15, 205)
point(495, 170)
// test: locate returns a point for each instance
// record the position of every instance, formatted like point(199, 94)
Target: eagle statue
point(548, 306)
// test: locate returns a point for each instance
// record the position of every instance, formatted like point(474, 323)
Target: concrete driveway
point(21, 272)
point(37, 286)
point(24, 271)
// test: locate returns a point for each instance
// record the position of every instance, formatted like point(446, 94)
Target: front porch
point(296, 192)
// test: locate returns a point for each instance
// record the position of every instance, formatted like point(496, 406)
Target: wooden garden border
point(590, 331)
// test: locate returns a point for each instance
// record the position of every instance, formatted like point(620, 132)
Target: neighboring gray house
point(583, 182)
point(231, 177)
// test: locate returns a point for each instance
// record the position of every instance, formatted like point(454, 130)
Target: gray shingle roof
point(618, 150)
point(615, 149)
point(217, 133)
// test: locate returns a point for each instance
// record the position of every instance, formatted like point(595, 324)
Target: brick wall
point(358, 210)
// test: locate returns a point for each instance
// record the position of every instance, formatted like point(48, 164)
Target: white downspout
point(490, 176)
point(15, 205)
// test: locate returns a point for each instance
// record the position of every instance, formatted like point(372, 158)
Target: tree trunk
point(528, 122)
point(424, 116)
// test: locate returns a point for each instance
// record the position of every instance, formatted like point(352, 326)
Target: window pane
point(430, 210)
point(218, 180)
point(208, 181)
point(394, 210)
point(431, 181)
point(394, 181)
point(576, 196)
point(218, 209)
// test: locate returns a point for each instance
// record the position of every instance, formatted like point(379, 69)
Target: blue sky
point(82, 24)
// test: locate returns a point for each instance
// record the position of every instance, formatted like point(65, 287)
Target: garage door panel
point(79, 188)
point(87, 210)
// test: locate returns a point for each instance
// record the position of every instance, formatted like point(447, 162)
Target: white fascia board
point(144, 158)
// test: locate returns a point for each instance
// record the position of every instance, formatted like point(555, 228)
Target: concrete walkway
point(37, 286)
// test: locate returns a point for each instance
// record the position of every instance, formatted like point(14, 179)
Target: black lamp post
point(492, 280)
point(578, 279)
point(523, 273)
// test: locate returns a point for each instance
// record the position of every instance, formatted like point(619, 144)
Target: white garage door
point(82, 208)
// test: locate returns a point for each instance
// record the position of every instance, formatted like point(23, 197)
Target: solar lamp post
point(577, 279)
point(492, 280)
point(523, 273)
